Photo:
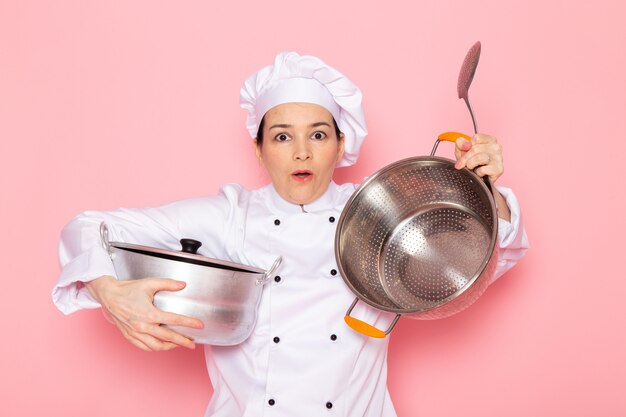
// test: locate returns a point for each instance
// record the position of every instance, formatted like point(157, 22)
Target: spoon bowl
point(466, 75)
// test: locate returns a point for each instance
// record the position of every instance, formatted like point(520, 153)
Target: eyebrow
point(280, 126)
point(318, 124)
point(286, 126)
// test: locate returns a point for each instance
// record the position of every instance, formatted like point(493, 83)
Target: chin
point(301, 199)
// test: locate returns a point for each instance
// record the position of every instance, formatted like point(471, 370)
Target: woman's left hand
point(483, 154)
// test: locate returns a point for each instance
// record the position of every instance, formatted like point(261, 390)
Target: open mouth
point(302, 175)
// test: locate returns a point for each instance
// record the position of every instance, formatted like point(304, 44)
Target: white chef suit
point(301, 359)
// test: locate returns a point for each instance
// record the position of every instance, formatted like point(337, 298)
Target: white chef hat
point(306, 79)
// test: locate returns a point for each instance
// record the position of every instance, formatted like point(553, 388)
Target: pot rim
point(184, 257)
point(179, 256)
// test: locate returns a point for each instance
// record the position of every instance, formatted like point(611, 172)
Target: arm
point(504, 212)
point(512, 238)
point(88, 279)
point(484, 154)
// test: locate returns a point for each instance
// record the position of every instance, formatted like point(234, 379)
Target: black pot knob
point(190, 245)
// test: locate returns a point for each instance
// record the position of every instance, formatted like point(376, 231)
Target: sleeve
point(512, 237)
point(83, 257)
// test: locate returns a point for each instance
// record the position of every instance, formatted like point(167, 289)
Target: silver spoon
point(468, 69)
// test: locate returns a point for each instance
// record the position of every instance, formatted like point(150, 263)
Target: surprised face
point(300, 150)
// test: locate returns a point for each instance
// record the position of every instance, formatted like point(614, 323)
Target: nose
point(302, 150)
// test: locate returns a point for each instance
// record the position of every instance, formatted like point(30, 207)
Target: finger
point(138, 343)
point(482, 138)
point(465, 156)
point(494, 151)
point(163, 284)
point(129, 335)
point(462, 145)
point(493, 172)
point(170, 346)
point(168, 335)
point(478, 160)
point(174, 319)
point(160, 333)
point(153, 343)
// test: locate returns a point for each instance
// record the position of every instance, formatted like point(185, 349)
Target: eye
point(281, 137)
point(319, 135)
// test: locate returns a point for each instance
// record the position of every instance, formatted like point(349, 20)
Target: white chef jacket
point(301, 359)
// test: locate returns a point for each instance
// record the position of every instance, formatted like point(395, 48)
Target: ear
point(259, 154)
point(341, 147)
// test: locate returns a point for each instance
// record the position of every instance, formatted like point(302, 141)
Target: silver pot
point(223, 295)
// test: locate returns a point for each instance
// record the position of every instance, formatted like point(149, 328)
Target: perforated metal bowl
point(418, 238)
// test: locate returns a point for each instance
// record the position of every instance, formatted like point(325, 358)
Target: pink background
point(133, 103)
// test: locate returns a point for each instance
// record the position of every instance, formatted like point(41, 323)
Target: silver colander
point(418, 238)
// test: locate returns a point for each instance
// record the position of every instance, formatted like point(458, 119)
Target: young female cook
point(301, 359)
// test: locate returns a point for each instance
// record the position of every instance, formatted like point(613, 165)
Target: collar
point(325, 202)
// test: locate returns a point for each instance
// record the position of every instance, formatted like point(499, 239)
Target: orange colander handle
point(448, 137)
point(453, 136)
point(365, 328)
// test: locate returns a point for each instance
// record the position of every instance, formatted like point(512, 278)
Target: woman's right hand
point(128, 305)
